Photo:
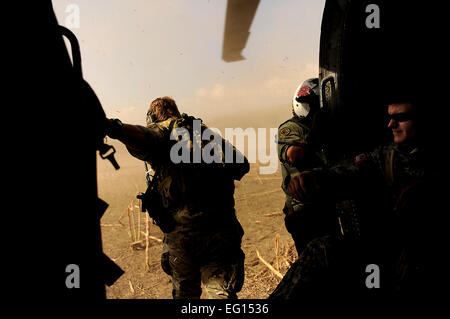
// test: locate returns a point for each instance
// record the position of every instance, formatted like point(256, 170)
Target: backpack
point(211, 152)
point(168, 187)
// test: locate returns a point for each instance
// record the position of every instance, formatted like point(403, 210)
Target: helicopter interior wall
point(58, 159)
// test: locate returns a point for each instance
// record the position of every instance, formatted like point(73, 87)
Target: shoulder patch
point(360, 158)
point(284, 131)
point(291, 120)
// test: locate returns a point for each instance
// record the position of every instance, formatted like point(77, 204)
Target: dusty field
point(259, 200)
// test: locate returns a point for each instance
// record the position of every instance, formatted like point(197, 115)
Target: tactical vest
point(389, 167)
point(189, 190)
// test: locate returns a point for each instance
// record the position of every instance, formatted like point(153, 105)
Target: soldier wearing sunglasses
point(402, 122)
point(397, 184)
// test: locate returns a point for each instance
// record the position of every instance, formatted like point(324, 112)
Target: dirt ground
point(259, 200)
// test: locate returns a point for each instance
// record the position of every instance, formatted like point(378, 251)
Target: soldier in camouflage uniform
point(400, 178)
point(202, 242)
point(303, 220)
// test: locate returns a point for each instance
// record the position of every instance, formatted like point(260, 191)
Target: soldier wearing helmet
point(296, 153)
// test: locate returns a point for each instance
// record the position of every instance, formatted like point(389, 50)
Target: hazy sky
point(134, 51)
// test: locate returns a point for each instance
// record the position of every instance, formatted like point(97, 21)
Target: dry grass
point(260, 284)
point(135, 225)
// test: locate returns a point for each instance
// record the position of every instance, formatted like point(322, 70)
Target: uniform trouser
point(213, 258)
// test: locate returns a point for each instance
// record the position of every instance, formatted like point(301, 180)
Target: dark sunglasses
point(401, 117)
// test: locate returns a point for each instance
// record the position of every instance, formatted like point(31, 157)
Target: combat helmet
point(306, 98)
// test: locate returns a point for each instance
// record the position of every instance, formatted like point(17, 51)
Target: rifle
point(152, 203)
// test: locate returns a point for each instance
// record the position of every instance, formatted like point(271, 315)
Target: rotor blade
point(239, 17)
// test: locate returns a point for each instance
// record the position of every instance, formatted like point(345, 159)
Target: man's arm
point(130, 135)
point(346, 179)
point(292, 147)
point(142, 142)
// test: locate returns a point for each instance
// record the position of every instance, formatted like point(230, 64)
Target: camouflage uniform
point(399, 183)
point(303, 220)
point(205, 246)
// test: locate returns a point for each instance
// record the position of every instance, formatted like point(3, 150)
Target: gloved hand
point(113, 128)
point(304, 186)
